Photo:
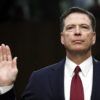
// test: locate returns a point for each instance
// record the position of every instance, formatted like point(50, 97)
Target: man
point(61, 81)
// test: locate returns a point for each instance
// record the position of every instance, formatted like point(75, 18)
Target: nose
point(77, 31)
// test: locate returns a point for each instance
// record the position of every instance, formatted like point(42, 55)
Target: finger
point(14, 62)
point(8, 52)
point(4, 55)
point(0, 54)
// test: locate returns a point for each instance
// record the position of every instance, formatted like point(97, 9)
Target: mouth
point(78, 41)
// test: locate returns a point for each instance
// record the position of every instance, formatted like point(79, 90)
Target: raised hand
point(8, 66)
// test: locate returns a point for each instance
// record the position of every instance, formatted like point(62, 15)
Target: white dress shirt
point(5, 89)
point(86, 76)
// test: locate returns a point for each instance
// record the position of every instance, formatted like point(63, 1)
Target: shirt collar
point(85, 66)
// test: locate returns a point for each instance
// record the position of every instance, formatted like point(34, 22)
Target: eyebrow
point(75, 25)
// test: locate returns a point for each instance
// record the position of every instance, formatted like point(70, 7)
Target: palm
point(8, 67)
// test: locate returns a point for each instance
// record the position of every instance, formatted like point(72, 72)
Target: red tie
point(76, 87)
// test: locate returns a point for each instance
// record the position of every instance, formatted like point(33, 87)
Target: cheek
point(65, 39)
point(89, 38)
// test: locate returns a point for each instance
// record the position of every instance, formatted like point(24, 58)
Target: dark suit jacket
point(48, 83)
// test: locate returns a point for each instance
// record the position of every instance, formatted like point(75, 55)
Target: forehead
point(77, 18)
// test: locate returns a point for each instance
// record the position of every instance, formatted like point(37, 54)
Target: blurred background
point(31, 29)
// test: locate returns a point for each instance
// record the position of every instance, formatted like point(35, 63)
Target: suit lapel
point(96, 81)
point(57, 81)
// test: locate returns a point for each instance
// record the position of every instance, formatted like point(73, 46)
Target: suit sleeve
point(30, 90)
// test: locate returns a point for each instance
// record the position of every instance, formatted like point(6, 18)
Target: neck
point(78, 58)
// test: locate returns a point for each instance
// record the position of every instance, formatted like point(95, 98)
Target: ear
point(94, 38)
point(62, 38)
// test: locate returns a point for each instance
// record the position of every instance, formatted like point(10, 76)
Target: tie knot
point(77, 69)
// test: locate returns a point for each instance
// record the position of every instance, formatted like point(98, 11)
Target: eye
point(84, 27)
point(69, 27)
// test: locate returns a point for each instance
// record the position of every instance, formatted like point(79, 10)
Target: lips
point(78, 41)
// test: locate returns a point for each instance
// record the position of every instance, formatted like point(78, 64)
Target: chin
point(80, 50)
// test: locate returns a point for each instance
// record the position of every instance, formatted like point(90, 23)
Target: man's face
point(77, 33)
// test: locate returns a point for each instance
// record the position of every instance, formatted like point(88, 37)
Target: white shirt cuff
point(5, 89)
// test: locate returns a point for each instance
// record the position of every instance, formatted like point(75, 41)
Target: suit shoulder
point(53, 66)
point(46, 70)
